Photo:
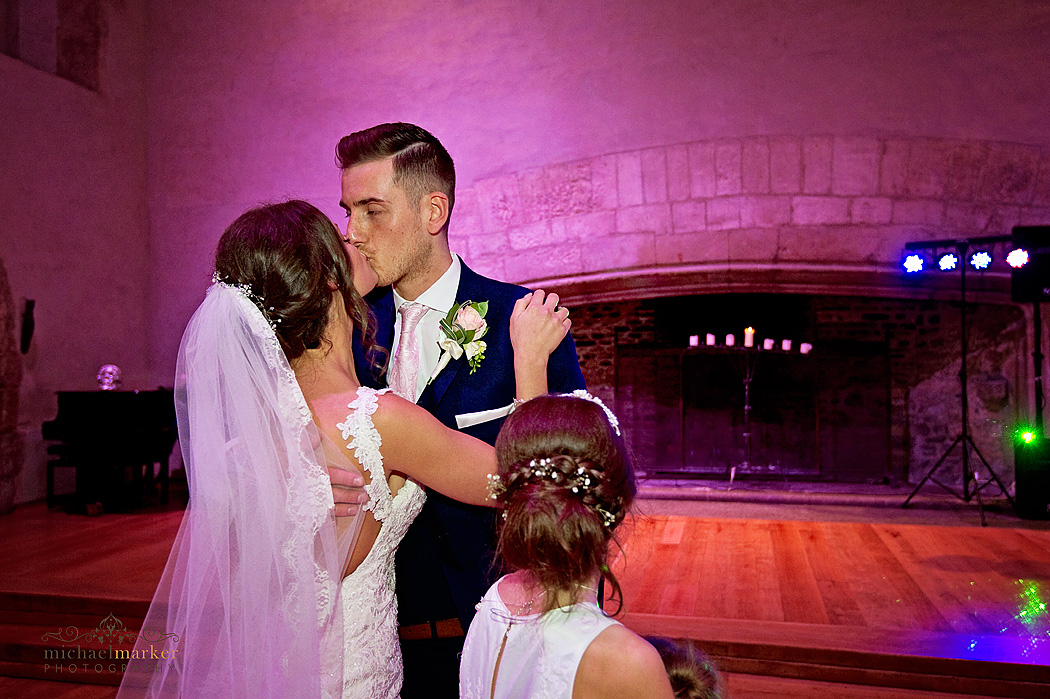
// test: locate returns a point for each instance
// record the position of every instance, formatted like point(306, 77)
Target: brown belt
point(446, 628)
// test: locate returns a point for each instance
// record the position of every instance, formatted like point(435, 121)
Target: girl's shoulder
point(620, 663)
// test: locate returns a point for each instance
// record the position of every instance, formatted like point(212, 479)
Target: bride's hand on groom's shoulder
point(347, 491)
point(538, 325)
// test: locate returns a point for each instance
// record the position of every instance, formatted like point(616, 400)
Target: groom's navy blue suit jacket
point(444, 563)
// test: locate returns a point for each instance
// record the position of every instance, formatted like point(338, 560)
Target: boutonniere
point(463, 327)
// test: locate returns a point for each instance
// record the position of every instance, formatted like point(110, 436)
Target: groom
point(398, 191)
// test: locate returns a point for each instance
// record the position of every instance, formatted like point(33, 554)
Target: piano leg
point(50, 484)
point(165, 481)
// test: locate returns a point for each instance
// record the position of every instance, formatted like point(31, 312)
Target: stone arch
point(10, 380)
point(817, 214)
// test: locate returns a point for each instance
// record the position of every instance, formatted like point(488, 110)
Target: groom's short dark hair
point(421, 163)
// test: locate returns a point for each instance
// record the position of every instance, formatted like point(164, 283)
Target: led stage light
point(1017, 258)
point(913, 264)
point(980, 260)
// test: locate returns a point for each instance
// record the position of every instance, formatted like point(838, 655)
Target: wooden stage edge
point(785, 608)
point(851, 655)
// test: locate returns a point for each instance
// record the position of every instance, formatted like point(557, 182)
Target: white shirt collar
point(441, 296)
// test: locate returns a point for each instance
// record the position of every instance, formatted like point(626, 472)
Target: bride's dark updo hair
point(561, 537)
point(292, 255)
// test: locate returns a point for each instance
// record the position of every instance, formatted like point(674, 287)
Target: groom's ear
point(435, 211)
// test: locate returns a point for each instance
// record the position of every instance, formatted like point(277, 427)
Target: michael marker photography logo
point(109, 649)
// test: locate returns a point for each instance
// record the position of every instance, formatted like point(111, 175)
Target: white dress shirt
point(439, 300)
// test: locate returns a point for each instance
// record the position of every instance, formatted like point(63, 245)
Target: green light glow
point(1032, 611)
point(1026, 434)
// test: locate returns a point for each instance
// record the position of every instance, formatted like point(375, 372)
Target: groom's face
point(384, 224)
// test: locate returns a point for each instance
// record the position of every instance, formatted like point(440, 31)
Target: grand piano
point(113, 440)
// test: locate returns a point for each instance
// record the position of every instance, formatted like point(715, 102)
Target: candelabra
point(750, 354)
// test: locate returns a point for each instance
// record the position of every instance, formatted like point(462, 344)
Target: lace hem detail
point(309, 489)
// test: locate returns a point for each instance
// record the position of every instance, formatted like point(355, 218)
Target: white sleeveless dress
point(372, 657)
point(541, 655)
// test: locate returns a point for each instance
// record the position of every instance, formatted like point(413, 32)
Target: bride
point(265, 593)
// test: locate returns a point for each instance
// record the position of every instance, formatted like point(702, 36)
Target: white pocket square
point(471, 419)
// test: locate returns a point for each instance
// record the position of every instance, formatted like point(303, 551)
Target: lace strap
point(364, 441)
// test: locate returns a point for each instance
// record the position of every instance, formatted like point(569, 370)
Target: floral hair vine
point(613, 422)
point(245, 290)
point(580, 481)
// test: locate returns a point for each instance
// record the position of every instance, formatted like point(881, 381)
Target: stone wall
point(598, 329)
point(74, 224)
point(648, 148)
point(842, 205)
point(10, 380)
point(924, 345)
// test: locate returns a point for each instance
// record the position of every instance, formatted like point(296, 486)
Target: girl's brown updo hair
point(289, 253)
point(557, 535)
point(692, 674)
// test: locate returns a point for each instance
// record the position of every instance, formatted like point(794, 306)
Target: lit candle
point(730, 340)
point(694, 340)
point(767, 344)
point(805, 347)
point(749, 337)
point(710, 339)
point(786, 345)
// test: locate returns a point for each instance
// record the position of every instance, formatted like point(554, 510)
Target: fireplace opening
point(875, 401)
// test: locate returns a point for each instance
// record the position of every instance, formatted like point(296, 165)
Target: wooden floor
point(786, 608)
point(115, 556)
point(922, 607)
point(875, 576)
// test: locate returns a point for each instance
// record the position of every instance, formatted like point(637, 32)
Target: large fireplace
point(800, 237)
point(876, 400)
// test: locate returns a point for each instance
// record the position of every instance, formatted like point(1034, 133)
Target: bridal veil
point(248, 603)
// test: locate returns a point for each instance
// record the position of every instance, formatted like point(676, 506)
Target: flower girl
point(564, 485)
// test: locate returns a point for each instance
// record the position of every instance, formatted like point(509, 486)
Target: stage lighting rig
point(957, 251)
point(1027, 252)
point(951, 253)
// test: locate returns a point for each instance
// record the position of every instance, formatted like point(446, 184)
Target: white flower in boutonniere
point(463, 327)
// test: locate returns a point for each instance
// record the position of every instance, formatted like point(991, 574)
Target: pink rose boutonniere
point(463, 327)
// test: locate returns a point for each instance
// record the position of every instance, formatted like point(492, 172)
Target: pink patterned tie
point(405, 368)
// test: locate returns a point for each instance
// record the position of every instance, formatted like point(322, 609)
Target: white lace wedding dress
point(372, 656)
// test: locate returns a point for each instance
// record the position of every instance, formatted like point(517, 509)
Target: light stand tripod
point(1037, 362)
point(970, 476)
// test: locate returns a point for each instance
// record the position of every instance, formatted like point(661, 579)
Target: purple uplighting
point(804, 252)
